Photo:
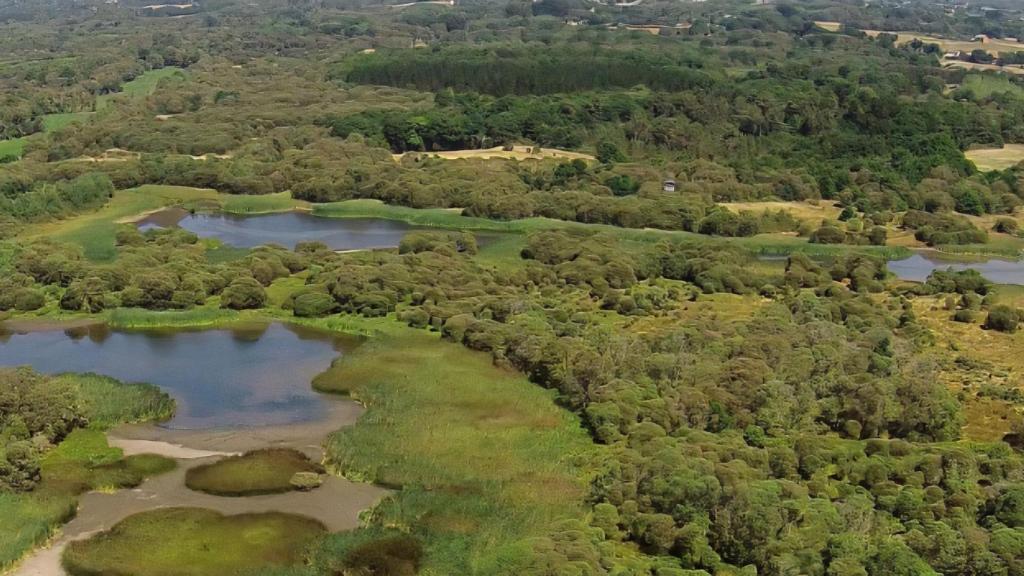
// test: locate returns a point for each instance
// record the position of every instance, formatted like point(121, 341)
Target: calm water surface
point(285, 228)
point(921, 264)
point(250, 376)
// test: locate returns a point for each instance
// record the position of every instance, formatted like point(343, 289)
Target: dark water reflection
point(285, 228)
point(249, 376)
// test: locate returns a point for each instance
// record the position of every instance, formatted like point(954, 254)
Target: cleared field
point(517, 153)
point(996, 158)
point(53, 122)
point(992, 45)
point(985, 85)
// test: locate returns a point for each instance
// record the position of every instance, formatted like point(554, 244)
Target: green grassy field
point(12, 148)
point(486, 459)
point(53, 122)
point(268, 471)
point(143, 85)
point(984, 85)
point(279, 202)
point(193, 541)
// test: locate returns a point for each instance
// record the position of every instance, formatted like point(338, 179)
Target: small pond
point(247, 376)
point(922, 263)
point(284, 228)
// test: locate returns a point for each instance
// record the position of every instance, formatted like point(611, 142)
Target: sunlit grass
point(12, 148)
point(143, 85)
point(485, 459)
point(193, 541)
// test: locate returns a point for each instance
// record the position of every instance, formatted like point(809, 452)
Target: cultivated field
point(516, 153)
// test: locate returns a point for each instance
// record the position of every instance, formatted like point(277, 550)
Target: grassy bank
point(83, 461)
point(95, 231)
point(485, 459)
point(765, 244)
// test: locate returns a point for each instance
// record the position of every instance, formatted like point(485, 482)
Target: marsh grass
point(82, 461)
point(267, 471)
point(108, 402)
point(138, 318)
point(485, 459)
point(265, 204)
point(194, 541)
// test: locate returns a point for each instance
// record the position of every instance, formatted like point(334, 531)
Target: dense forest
point(808, 414)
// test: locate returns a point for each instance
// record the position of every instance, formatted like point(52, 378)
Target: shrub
point(313, 304)
point(28, 299)
point(966, 316)
point(244, 293)
point(1006, 226)
point(1002, 318)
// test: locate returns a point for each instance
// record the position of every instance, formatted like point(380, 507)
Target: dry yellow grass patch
point(1015, 69)
point(649, 29)
point(816, 211)
point(996, 158)
point(516, 153)
point(992, 45)
point(828, 25)
point(987, 418)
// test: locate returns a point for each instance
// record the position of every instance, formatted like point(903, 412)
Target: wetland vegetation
point(259, 472)
point(510, 288)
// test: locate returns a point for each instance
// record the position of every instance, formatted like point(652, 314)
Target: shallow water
point(224, 378)
point(284, 228)
point(921, 264)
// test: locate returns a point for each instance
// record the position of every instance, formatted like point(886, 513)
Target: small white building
point(668, 185)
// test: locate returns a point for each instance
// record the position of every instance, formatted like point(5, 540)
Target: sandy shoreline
point(336, 504)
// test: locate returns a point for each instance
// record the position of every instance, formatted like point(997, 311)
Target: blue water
point(921, 264)
point(219, 378)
